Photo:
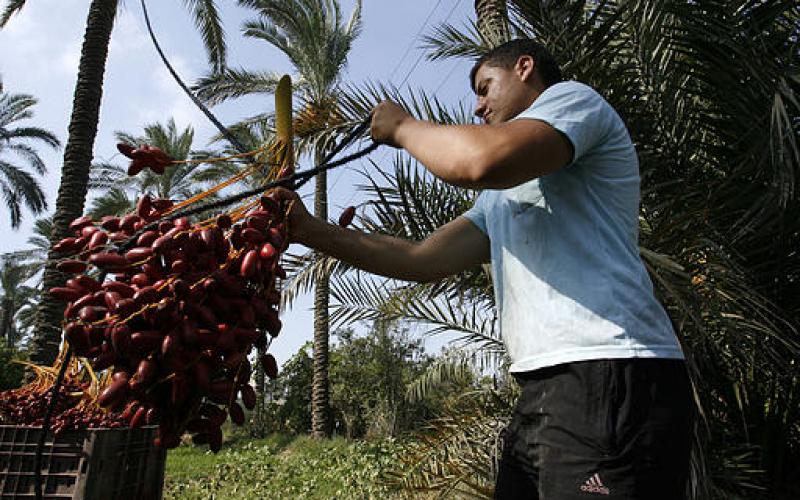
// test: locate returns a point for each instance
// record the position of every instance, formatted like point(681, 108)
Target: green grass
point(281, 467)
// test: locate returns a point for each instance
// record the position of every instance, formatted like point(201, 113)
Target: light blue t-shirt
point(568, 279)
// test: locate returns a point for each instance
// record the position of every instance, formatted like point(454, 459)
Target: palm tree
point(33, 258)
point(20, 187)
point(312, 34)
point(177, 182)
point(35, 255)
point(15, 296)
point(82, 132)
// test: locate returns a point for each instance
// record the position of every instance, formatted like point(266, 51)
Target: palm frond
point(107, 175)
point(458, 456)
point(446, 41)
point(20, 188)
point(115, 201)
point(453, 366)
point(34, 133)
point(12, 8)
point(232, 83)
point(207, 20)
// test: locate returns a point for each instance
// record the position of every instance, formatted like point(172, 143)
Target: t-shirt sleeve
point(477, 214)
point(577, 111)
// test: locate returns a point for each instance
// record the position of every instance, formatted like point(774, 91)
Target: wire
point(447, 17)
point(416, 63)
point(391, 75)
point(449, 74)
point(413, 39)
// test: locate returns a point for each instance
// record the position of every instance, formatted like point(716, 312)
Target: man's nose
point(480, 108)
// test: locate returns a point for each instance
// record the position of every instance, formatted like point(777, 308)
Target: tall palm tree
point(177, 182)
point(19, 187)
point(317, 41)
point(82, 131)
point(33, 257)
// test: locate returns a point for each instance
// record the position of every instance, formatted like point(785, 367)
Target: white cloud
point(69, 59)
point(128, 37)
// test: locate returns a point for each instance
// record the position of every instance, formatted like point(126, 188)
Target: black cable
point(225, 132)
point(292, 182)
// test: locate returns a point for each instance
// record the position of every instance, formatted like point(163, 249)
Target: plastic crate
point(113, 464)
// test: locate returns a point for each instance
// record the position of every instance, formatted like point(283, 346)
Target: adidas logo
point(595, 485)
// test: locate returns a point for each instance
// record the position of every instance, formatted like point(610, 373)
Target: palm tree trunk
point(492, 18)
point(320, 388)
point(75, 171)
point(6, 325)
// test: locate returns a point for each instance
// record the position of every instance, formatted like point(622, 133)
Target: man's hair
point(506, 56)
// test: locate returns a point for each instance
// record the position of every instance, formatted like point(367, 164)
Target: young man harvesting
point(604, 410)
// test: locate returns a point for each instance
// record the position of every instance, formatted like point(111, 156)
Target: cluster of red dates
point(177, 313)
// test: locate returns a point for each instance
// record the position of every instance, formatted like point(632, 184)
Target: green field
point(281, 467)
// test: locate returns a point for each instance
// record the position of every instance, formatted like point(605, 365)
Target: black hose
point(225, 132)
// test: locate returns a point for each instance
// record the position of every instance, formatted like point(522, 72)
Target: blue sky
point(40, 48)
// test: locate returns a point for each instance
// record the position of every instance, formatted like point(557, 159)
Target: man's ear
point(525, 67)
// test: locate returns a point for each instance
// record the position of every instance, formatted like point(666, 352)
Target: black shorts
point(613, 429)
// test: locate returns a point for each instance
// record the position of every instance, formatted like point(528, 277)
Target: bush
point(12, 373)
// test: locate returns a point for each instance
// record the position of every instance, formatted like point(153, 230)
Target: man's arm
point(454, 247)
point(475, 156)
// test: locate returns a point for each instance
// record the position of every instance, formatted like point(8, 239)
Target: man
point(605, 394)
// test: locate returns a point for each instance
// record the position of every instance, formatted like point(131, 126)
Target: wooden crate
point(108, 464)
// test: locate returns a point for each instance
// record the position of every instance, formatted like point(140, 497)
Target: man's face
point(502, 92)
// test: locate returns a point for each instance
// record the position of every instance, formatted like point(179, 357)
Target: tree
point(15, 296)
point(289, 406)
point(369, 376)
point(372, 381)
point(18, 185)
point(12, 372)
point(33, 260)
point(180, 181)
point(82, 131)
point(312, 34)
point(372, 391)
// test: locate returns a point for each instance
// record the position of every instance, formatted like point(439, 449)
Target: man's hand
point(387, 117)
point(299, 219)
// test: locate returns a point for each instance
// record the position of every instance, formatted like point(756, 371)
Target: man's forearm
point(451, 152)
point(375, 253)
point(485, 157)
